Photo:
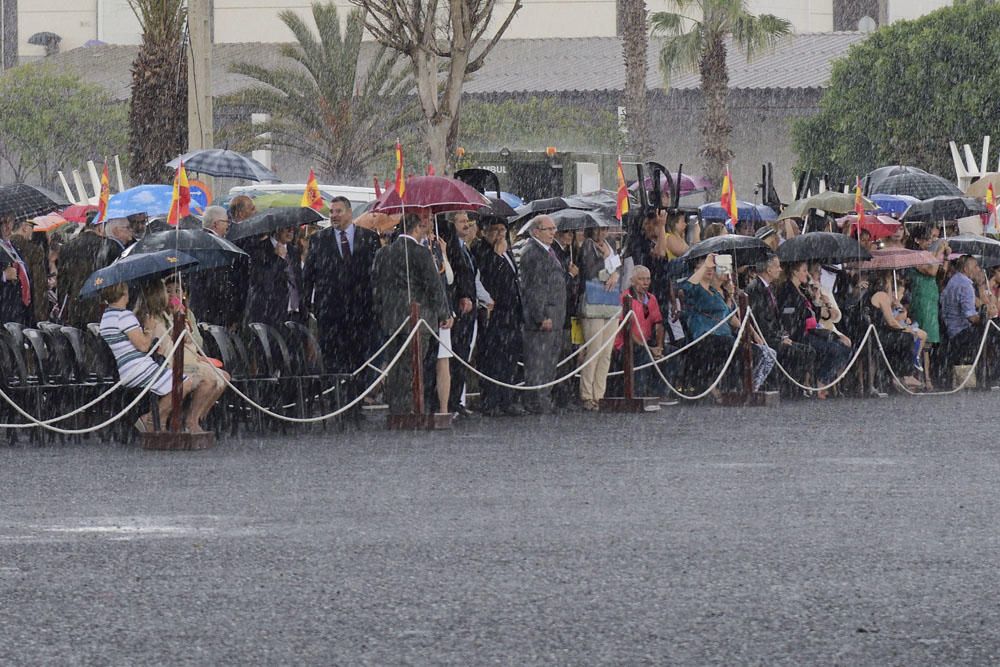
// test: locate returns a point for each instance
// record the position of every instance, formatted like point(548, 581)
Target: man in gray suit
point(543, 297)
point(404, 272)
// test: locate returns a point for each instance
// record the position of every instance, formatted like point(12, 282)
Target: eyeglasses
point(546, 229)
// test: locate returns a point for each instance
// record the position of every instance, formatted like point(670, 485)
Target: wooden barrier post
point(417, 419)
point(747, 396)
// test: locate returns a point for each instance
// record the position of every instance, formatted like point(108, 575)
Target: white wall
point(912, 9)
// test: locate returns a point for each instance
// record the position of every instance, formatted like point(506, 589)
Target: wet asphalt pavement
point(841, 532)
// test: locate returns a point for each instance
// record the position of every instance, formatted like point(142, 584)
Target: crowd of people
point(525, 310)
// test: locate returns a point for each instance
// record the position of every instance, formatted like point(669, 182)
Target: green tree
point(319, 106)
point(903, 93)
point(536, 123)
point(635, 42)
point(68, 123)
point(157, 116)
point(699, 42)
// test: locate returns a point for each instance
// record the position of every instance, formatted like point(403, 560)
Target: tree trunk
point(157, 112)
point(634, 45)
point(715, 129)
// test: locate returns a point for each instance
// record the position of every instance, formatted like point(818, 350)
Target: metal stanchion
point(629, 403)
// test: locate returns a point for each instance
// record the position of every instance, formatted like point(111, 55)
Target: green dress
point(924, 304)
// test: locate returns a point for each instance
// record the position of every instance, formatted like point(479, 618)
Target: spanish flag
point(728, 198)
point(400, 178)
point(991, 211)
point(859, 202)
point(622, 208)
point(311, 198)
point(102, 200)
point(180, 203)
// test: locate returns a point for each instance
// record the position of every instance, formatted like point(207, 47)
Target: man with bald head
point(543, 298)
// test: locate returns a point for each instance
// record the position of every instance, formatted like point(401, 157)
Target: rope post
point(747, 396)
point(628, 355)
point(416, 361)
point(175, 438)
point(747, 349)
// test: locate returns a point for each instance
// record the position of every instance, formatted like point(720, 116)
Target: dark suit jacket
point(543, 287)
point(572, 284)
point(38, 272)
point(767, 314)
point(389, 278)
point(77, 260)
point(500, 279)
point(219, 296)
point(340, 289)
point(464, 286)
point(269, 290)
point(795, 309)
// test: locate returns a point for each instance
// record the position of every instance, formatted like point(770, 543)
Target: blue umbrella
point(513, 200)
point(134, 267)
point(747, 211)
point(894, 205)
point(153, 200)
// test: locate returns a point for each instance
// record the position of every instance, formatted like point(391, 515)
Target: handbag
point(598, 303)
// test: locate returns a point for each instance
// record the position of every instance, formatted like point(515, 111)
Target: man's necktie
point(345, 246)
point(770, 295)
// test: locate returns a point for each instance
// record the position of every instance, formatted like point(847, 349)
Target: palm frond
point(757, 33)
point(681, 52)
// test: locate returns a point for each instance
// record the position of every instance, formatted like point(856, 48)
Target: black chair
point(307, 363)
point(271, 358)
point(14, 383)
point(229, 348)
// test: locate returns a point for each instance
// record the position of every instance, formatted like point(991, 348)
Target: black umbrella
point(272, 220)
point(943, 208)
point(917, 184)
point(603, 202)
point(970, 244)
point(876, 177)
point(822, 247)
point(498, 208)
point(746, 250)
point(24, 202)
point(538, 207)
point(224, 164)
point(133, 267)
point(211, 251)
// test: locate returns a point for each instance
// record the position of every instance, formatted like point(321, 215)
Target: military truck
point(547, 173)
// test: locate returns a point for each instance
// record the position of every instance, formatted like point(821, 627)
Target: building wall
point(899, 10)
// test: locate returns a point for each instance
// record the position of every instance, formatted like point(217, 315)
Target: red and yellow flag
point(311, 198)
point(180, 203)
point(102, 199)
point(728, 198)
point(991, 200)
point(400, 178)
point(859, 203)
point(622, 208)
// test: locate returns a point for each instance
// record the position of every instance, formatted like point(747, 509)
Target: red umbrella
point(879, 226)
point(77, 212)
point(437, 193)
point(896, 258)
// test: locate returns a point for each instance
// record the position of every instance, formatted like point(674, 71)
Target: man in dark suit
point(215, 295)
point(405, 272)
point(15, 285)
point(337, 281)
point(500, 345)
point(797, 358)
point(564, 394)
point(38, 268)
point(543, 296)
point(463, 300)
point(77, 260)
point(275, 280)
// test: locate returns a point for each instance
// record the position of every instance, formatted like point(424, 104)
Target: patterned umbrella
point(746, 250)
point(970, 244)
point(224, 164)
point(211, 251)
point(826, 247)
point(943, 208)
point(747, 212)
point(894, 205)
point(24, 202)
point(153, 200)
point(874, 178)
point(135, 267)
point(919, 185)
point(437, 193)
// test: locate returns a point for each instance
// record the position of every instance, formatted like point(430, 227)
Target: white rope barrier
point(583, 346)
point(522, 387)
point(55, 429)
point(859, 348)
point(368, 363)
point(339, 411)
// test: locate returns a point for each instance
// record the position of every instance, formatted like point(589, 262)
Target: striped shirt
point(134, 368)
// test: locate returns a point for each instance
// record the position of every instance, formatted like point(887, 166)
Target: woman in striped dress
point(129, 343)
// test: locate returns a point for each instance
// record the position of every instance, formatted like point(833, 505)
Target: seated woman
point(708, 300)
point(646, 330)
point(194, 360)
point(801, 312)
point(129, 343)
point(153, 310)
point(897, 338)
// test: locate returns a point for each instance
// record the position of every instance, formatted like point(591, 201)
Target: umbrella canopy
point(830, 201)
point(893, 204)
point(943, 208)
point(746, 250)
point(825, 247)
point(211, 251)
point(77, 212)
point(876, 177)
point(896, 258)
point(978, 189)
point(917, 184)
point(436, 193)
point(153, 200)
point(570, 219)
point(49, 223)
point(878, 226)
point(688, 184)
point(224, 164)
point(512, 199)
point(284, 200)
point(603, 203)
point(24, 202)
point(538, 207)
point(747, 212)
point(272, 220)
point(126, 269)
point(970, 244)
point(497, 209)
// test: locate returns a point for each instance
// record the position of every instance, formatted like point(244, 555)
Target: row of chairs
point(50, 370)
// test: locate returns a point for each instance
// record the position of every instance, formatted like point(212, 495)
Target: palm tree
point(692, 43)
point(157, 115)
point(634, 26)
point(319, 106)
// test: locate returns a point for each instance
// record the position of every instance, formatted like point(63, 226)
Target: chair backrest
point(62, 366)
point(219, 342)
point(48, 326)
point(78, 346)
point(274, 350)
point(13, 371)
point(101, 359)
point(16, 331)
point(38, 353)
point(306, 356)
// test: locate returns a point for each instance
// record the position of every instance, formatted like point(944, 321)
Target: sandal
point(143, 426)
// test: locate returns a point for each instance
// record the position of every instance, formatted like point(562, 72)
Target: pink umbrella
point(688, 184)
point(896, 258)
point(878, 226)
point(437, 193)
